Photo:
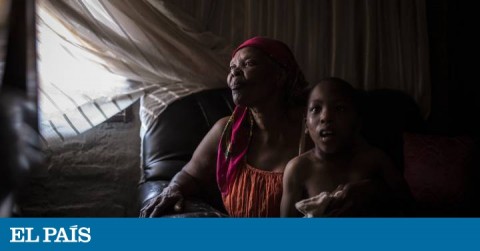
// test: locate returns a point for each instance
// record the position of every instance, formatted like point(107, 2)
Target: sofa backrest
point(387, 115)
point(170, 142)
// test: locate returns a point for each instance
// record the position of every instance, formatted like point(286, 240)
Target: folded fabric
point(315, 206)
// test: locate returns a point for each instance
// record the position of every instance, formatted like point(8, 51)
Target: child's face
point(331, 118)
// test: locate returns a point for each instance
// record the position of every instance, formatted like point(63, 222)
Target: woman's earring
point(305, 125)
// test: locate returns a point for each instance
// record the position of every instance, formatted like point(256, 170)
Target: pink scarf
point(233, 147)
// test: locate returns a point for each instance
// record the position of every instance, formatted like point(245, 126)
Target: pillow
point(437, 169)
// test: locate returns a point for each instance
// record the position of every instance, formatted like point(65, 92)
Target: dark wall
point(455, 88)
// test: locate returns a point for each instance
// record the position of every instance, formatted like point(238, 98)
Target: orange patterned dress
point(254, 193)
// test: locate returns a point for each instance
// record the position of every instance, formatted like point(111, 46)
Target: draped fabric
point(76, 92)
point(97, 57)
point(370, 43)
point(233, 147)
point(169, 49)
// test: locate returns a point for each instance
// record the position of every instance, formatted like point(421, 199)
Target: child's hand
point(353, 199)
point(349, 200)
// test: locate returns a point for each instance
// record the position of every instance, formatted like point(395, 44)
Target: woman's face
point(254, 77)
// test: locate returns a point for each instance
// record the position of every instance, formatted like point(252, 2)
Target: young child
point(340, 159)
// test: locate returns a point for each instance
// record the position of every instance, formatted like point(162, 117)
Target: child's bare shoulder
point(300, 164)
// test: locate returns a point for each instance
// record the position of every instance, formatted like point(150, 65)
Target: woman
point(244, 155)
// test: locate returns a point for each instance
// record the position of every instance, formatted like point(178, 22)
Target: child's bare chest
point(328, 178)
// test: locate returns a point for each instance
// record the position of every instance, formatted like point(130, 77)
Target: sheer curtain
point(370, 43)
point(97, 57)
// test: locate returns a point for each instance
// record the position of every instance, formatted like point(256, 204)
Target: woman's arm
point(198, 173)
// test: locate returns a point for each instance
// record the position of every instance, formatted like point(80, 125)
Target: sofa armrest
point(193, 207)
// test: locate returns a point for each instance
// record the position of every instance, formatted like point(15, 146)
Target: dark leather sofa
point(168, 145)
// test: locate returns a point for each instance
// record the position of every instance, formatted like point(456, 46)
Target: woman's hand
point(170, 198)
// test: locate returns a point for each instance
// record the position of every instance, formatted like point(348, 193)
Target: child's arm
point(292, 189)
point(383, 193)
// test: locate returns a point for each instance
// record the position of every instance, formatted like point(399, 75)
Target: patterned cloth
point(233, 147)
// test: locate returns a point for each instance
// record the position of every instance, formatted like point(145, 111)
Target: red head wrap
point(275, 49)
